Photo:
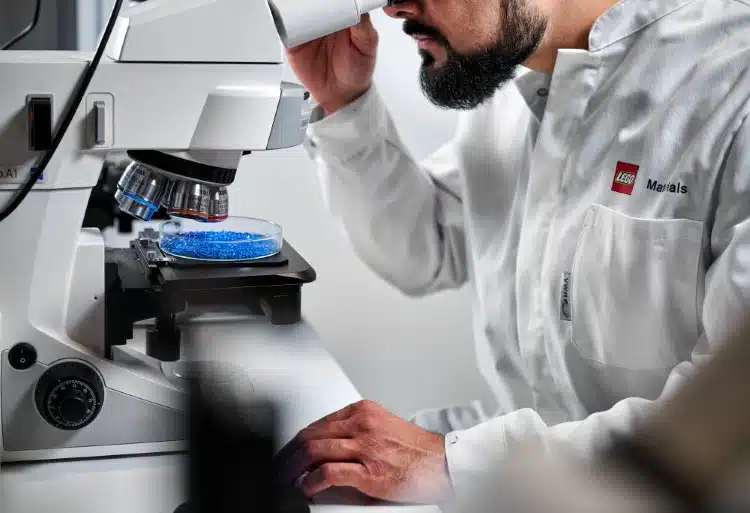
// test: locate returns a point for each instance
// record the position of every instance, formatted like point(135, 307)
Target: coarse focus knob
point(69, 395)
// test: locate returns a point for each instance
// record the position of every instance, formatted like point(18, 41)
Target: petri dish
point(234, 239)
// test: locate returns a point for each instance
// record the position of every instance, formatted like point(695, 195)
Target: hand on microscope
point(367, 448)
point(338, 68)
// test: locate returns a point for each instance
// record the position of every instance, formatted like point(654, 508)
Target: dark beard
point(465, 81)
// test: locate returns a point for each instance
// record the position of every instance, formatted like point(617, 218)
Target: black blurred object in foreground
point(232, 445)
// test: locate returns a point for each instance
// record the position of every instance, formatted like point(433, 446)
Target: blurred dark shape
point(690, 453)
point(698, 439)
point(183, 508)
point(232, 447)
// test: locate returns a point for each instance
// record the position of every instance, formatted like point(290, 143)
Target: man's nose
point(402, 9)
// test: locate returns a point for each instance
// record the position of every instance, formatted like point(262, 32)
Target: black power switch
point(22, 356)
point(40, 123)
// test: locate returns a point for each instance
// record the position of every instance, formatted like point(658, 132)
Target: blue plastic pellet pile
point(219, 245)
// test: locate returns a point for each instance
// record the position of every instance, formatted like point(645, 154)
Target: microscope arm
point(222, 98)
point(227, 31)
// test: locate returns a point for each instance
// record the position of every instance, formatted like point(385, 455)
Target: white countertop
point(286, 363)
point(148, 484)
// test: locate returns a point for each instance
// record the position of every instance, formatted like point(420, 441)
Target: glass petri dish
point(232, 240)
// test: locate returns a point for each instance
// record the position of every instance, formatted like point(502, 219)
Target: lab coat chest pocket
point(634, 290)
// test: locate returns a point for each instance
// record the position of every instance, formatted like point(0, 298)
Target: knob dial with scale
point(69, 395)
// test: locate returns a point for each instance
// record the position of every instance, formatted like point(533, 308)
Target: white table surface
point(288, 364)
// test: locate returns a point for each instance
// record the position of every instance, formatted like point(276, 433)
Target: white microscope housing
point(186, 87)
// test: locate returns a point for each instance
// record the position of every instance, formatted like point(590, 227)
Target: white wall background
point(405, 353)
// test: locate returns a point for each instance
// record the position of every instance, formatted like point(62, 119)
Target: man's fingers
point(363, 35)
point(342, 414)
point(320, 430)
point(365, 24)
point(316, 453)
point(334, 474)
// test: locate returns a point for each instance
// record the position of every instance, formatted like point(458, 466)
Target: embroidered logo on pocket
point(624, 180)
point(565, 297)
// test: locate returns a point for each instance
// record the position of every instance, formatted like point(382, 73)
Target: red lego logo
point(625, 175)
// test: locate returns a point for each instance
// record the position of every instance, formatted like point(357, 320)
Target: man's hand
point(368, 448)
point(338, 68)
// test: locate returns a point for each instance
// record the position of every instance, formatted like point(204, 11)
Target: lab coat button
point(542, 91)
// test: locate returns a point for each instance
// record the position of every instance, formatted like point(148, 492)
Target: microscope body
point(194, 84)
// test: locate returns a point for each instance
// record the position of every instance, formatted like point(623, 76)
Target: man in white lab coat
point(596, 199)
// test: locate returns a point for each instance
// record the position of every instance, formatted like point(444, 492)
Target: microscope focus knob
point(69, 395)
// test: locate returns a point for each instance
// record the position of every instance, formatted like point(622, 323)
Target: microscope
point(185, 89)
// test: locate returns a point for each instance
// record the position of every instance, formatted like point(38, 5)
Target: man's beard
point(464, 81)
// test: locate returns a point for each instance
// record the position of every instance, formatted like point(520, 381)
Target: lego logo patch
point(624, 179)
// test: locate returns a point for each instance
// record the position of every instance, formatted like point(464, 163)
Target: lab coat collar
point(627, 17)
point(623, 19)
point(534, 87)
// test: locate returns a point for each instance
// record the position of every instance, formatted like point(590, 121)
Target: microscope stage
point(142, 282)
point(286, 267)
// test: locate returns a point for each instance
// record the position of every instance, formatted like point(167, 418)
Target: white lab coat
point(596, 289)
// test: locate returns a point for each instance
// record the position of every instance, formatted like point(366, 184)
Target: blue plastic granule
point(219, 245)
